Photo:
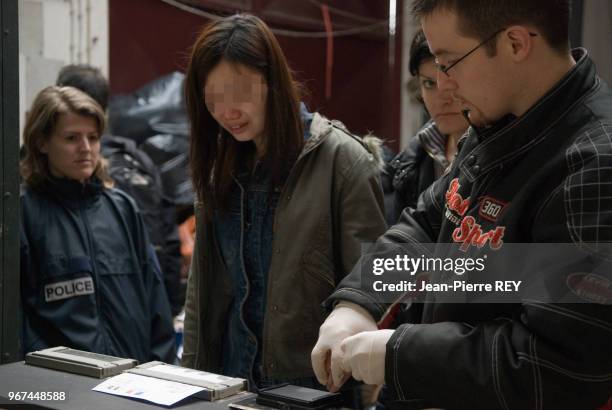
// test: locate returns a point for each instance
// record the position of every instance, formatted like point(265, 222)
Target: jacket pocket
point(317, 285)
point(123, 263)
point(320, 269)
point(58, 266)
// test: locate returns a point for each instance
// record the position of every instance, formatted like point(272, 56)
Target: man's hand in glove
point(363, 356)
point(346, 320)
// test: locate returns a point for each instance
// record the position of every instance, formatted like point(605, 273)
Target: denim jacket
point(245, 242)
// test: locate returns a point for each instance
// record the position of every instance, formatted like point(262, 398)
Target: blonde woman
point(89, 277)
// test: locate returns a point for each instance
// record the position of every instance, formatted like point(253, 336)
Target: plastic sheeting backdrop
point(154, 116)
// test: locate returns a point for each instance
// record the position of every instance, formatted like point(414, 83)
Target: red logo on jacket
point(454, 200)
point(470, 231)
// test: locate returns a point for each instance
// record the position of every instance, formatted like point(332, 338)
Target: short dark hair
point(419, 52)
point(482, 18)
point(86, 78)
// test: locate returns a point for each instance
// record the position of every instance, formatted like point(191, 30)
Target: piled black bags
point(150, 161)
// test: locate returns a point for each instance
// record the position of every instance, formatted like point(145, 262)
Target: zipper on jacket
point(245, 277)
point(94, 268)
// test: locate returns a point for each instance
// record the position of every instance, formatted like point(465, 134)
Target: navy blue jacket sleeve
point(162, 330)
point(31, 338)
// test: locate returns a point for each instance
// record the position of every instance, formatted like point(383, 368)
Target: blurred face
point(73, 149)
point(235, 96)
point(481, 83)
point(443, 108)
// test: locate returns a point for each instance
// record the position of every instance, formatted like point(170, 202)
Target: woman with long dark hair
point(285, 200)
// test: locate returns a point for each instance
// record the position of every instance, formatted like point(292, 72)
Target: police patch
point(68, 289)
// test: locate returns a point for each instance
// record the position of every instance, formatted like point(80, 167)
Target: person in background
point(89, 276)
point(285, 200)
point(432, 150)
point(133, 171)
point(86, 78)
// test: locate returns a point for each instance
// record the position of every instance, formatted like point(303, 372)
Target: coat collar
point(485, 149)
point(73, 193)
point(434, 143)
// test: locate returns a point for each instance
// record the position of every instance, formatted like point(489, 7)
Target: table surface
point(20, 377)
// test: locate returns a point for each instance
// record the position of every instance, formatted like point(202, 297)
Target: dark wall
point(147, 39)
point(576, 23)
point(150, 38)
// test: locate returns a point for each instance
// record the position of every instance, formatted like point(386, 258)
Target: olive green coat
point(331, 203)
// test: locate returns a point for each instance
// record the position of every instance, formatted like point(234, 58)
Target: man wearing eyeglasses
point(534, 167)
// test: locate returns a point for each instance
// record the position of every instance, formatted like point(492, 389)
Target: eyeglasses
point(444, 68)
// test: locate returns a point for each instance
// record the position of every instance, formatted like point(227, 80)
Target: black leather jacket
point(551, 168)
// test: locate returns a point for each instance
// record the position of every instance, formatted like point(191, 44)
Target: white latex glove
point(364, 356)
point(345, 320)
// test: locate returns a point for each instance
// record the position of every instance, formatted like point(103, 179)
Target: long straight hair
point(245, 40)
